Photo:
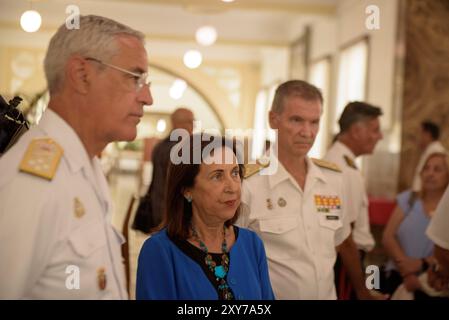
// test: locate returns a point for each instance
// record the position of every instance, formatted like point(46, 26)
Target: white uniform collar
point(75, 154)
point(60, 131)
point(343, 149)
point(435, 146)
point(313, 173)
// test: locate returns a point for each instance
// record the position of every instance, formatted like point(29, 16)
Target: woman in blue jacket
point(199, 253)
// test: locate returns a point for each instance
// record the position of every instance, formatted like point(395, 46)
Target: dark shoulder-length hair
point(185, 160)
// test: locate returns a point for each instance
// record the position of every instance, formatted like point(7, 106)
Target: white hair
point(95, 38)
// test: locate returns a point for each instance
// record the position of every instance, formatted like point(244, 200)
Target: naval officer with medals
point(296, 204)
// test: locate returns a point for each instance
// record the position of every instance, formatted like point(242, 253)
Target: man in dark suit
point(151, 208)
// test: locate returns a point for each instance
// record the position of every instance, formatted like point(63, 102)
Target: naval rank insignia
point(326, 164)
point(253, 168)
point(41, 158)
point(350, 162)
point(327, 203)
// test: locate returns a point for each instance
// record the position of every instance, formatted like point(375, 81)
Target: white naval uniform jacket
point(357, 197)
point(45, 245)
point(299, 240)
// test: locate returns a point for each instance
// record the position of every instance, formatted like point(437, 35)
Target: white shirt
point(299, 240)
point(438, 229)
point(358, 199)
point(434, 147)
point(50, 230)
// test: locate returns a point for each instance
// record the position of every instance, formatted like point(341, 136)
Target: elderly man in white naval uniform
point(297, 209)
point(55, 208)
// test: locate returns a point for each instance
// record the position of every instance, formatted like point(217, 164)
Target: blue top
point(411, 233)
point(166, 272)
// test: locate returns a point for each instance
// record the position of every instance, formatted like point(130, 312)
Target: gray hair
point(96, 38)
point(295, 88)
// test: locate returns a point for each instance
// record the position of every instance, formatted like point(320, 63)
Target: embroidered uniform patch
point(41, 158)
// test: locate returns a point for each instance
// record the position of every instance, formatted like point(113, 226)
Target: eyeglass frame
point(141, 77)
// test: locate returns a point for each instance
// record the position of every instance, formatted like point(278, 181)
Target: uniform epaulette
point(326, 164)
point(350, 162)
point(253, 168)
point(42, 158)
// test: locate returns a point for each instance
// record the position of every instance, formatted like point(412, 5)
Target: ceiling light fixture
point(206, 35)
point(193, 59)
point(177, 89)
point(161, 125)
point(30, 21)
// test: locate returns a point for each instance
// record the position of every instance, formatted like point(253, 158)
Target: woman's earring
point(188, 198)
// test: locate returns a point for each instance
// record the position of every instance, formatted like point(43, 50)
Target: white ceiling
point(244, 26)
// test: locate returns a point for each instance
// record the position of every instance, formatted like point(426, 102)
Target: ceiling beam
point(169, 37)
point(210, 7)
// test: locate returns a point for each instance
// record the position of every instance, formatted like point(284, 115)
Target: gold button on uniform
point(269, 204)
point(282, 202)
point(78, 208)
point(101, 278)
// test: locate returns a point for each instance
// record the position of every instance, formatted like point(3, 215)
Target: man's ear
point(355, 131)
point(78, 74)
point(273, 120)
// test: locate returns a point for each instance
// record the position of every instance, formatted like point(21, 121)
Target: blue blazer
point(165, 272)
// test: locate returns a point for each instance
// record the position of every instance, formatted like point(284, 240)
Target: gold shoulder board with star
point(42, 158)
point(253, 168)
point(350, 162)
point(326, 164)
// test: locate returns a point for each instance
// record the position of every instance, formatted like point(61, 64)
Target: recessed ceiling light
point(161, 125)
point(206, 35)
point(177, 89)
point(193, 59)
point(30, 21)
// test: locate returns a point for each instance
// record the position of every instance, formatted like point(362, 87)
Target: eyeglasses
point(140, 78)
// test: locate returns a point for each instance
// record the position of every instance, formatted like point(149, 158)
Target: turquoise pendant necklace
point(221, 270)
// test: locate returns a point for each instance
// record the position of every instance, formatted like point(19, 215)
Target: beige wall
point(22, 71)
point(230, 115)
point(426, 82)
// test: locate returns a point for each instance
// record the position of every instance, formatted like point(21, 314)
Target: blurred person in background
point(405, 241)
point(152, 205)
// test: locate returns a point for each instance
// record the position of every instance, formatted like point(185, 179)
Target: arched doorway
point(170, 91)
